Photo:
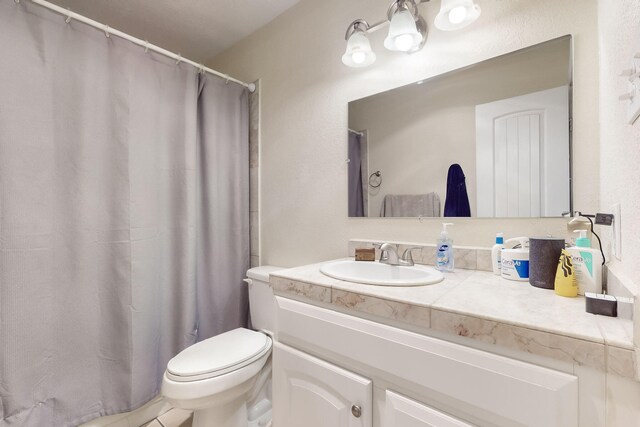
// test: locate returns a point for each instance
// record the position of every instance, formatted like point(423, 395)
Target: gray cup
point(544, 255)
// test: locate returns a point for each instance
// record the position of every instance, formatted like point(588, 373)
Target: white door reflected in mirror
point(522, 155)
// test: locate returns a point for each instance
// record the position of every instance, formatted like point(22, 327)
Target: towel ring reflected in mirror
point(375, 179)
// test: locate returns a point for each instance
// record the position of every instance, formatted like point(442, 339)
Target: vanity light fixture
point(358, 53)
point(456, 14)
point(407, 28)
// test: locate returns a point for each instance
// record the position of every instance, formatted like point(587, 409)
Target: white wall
point(305, 90)
point(620, 150)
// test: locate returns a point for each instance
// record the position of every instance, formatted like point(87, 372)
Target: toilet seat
point(218, 355)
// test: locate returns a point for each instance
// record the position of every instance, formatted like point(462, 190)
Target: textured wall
point(304, 94)
point(620, 148)
point(620, 156)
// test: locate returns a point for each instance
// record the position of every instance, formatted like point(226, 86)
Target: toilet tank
point(262, 303)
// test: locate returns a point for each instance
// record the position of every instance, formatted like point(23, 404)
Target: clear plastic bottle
point(496, 263)
point(444, 254)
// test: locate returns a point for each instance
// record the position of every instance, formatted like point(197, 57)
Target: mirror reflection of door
point(522, 155)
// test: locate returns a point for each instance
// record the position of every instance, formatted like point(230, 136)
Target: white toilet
point(216, 377)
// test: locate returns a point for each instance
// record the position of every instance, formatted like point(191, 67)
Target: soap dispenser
point(587, 263)
point(444, 254)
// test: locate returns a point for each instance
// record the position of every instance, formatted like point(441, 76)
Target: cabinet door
point(310, 392)
point(401, 411)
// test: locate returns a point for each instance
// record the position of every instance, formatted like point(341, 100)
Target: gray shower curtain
point(356, 196)
point(123, 217)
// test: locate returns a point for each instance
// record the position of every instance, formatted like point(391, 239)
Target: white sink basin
point(375, 273)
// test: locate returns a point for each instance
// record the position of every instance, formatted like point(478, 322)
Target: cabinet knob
point(356, 411)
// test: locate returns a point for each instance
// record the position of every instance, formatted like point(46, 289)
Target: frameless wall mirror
point(489, 140)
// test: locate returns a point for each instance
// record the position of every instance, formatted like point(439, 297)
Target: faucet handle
point(407, 256)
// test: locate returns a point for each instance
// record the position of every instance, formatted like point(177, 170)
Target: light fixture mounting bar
point(410, 5)
point(375, 27)
point(357, 25)
point(372, 28)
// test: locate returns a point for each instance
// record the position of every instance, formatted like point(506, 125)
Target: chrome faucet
point(389, 255)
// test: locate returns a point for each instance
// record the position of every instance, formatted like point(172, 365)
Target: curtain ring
point(202, 70)
point(227, 82)
point(68, 19)
point(179, 59)
point(146, 46)
point(106, 31)
point(17, 1)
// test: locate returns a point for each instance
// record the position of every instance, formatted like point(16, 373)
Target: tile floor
point(173, 418)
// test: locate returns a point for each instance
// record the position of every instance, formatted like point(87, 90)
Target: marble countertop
point(485, 307)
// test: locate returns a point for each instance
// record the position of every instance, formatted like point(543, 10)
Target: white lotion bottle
point(496, 252)
point(587, 263)
point(444, 254)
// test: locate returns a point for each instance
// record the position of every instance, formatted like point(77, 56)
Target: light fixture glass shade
point(403, 34)
point(358, 53)
point(456, 14)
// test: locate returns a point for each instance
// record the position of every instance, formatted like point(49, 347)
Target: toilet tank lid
point(262, 273)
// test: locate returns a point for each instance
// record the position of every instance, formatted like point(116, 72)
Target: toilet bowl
point(215, 377)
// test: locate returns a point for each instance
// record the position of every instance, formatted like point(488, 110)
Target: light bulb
point(403, 34)
point(358, 53)
point(457, 14)
point(358, 57)
point(404, 42)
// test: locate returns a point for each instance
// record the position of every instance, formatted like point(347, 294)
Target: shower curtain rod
point(356, 132)
point(143, 43)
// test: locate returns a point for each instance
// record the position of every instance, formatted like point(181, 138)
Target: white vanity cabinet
point(405, 412)
point(325, 363)
point(321, 394)
point(313, 393)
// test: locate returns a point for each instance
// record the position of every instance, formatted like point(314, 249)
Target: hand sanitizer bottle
point(444, 254)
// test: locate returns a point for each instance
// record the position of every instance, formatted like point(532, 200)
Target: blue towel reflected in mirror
point(457, 201)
